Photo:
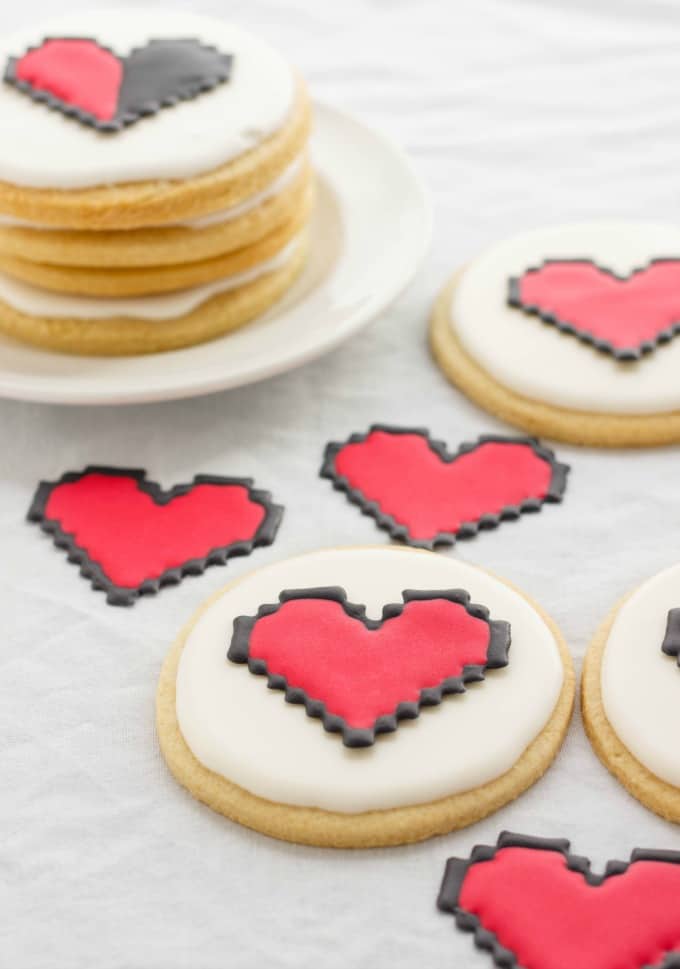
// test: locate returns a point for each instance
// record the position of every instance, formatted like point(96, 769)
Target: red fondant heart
point(422, 494)
point(76, 71)
point(624, 316)
point(130, 536)
point(358, 675)
point(536, 906)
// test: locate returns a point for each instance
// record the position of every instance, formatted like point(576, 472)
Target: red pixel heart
point(130, 537)
point(536, 906)
point(624, 316)
point(358, 675)
point(88, 82)
point(425, 496)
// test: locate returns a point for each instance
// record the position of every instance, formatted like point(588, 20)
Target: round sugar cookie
point(570, 332)
point(631, 693)
point(192, 241)
point(147, 324)
point(134, 117)
point(148, 280)
point(423, 694)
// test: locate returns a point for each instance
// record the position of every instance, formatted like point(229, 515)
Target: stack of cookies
point(155, 186)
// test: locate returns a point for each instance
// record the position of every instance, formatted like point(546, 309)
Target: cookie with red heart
point(156, 191)
point(130, 536)
point(631, 693)
point(569, 332)
point(532, 903)
point(364, 696)
point(425, 495)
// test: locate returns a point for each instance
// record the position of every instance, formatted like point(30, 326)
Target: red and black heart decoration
point(130, 537)
point(623, 316)
point(671, 640)
point(425, 496)
point(89, 82)
point(532, 904)
point(361, 676)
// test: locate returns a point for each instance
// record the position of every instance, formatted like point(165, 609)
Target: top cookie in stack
point(155, 187)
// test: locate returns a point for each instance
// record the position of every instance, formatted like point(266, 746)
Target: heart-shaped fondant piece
point(130, 537)
point(360, 676)
point(423, 495)
point(536, 906)
point(624, 316)
point(86, 81)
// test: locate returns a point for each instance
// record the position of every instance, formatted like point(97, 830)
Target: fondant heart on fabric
point(358, 675)
point(86, 81)
point(534, 905)
point(425, 496)
point(129, 536)
point(625, 316)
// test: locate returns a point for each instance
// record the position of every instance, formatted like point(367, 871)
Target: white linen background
point(515, 115)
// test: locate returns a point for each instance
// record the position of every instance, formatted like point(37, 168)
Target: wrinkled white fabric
point(515, 114)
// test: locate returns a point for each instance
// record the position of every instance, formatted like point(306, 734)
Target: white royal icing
point(537, 361)
point(39, 302)
point(641, 684)
point(275, 187)
point(247, 733)
point(45, 149)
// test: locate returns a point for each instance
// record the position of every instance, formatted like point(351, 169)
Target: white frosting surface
point(247, 733)
point(39, 302)
point(640, 684)
point(43, 148)
point(535, 359)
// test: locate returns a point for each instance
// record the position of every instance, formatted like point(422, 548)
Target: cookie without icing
point(429, 759)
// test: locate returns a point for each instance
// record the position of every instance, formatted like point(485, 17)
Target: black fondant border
point(558, 483)
point(127, 118)
point(497, 657)
point(122, 595)
point(627, 354)
point(457, 868)
point(671, 639)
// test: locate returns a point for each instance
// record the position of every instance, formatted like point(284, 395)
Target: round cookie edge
point(368, 829)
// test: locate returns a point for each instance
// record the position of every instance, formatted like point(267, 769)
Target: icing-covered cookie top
point(578, 316)
point(348, 658)
point(112, 96)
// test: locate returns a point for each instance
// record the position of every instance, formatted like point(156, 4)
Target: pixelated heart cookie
point(426, 496)
point(533, 904)
point(88, 82)
point(131, 537)
point(363, 642)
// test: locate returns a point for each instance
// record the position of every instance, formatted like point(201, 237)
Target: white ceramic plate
point(370, 232)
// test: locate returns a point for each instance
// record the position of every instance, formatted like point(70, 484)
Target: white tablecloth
point(515, 114)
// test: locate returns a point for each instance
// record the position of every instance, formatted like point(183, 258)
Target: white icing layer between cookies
point(247, 733)
point(640, 684)
point(33, 301)
point(270, 191)
point(536, 360)
point(45, 149)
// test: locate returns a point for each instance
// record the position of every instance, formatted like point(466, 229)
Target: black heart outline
point(126, 596)
point(625, 354)
point(497, 657)
point(371, 508)
point(456, 871)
